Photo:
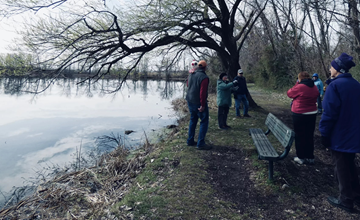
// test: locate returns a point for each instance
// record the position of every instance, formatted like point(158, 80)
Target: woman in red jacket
point(304, 111)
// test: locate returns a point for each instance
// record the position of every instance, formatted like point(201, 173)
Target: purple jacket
point(341, 118)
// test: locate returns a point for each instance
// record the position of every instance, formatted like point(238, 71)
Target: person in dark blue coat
point(340, 130)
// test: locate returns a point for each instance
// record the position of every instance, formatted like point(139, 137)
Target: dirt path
point(298, 192)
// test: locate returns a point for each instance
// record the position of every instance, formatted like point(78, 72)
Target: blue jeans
point(238, 100)
point(204, 124)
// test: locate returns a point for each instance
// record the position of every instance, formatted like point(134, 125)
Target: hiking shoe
point(299, 161)
point(191, 143)
point(247, 116)
point(204, 147)
point(337, 203)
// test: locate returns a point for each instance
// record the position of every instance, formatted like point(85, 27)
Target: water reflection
point(38, 130)
point(19, 86)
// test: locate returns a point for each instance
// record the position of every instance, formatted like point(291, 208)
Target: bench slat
point(263, 145)
point(283, 133)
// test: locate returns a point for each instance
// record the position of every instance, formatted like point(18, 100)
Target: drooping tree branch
point(95, 37)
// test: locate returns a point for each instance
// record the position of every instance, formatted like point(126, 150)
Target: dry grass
point(85, 194)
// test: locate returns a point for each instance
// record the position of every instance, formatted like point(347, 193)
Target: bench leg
point(271, 170)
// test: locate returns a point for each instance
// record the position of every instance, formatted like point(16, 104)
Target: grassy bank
point(170, 180)
point(229, 182)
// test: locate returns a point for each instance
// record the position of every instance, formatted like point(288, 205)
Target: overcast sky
point(9, 26)
point(7, 34)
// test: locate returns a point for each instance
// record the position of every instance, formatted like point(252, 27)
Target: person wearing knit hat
point(223, 99)
point(221, 76)
point(339, 128)
point(342, 64)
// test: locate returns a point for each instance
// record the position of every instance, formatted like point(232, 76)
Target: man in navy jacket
point(340, 130)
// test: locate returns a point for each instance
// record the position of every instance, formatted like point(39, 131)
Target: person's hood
point(308, 82)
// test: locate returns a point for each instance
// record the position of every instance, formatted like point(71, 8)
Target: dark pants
point(347, 177)
point(319, 104)
point(223, 112)
point(304, 127)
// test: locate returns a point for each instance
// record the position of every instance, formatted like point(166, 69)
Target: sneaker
point(298, 160)
point(247, 116)
point(337, 203)
point(223, 128)
point(204, 147)
point(227, 126)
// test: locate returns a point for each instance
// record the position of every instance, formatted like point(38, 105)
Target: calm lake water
point(48, 129)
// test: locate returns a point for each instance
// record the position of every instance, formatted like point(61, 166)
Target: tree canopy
point(95, 36)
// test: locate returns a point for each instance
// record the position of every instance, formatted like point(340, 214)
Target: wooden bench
point(263, 146)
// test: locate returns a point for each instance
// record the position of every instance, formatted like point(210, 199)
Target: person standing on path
point(320, 86)
point(340, 130)
point(196, 97)
point(240, 94)
point(223, 99)
point(304, 110)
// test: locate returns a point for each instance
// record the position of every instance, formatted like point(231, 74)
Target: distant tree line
point(21, 64)
point(16, 64)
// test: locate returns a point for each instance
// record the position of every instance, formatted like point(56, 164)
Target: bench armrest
point(285, 153)
point(267, 132)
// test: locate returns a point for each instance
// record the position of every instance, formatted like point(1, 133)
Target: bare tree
point(94, 35)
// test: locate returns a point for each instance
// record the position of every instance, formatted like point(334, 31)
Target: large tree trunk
point(252, 103)
point(353, 17)
point(234, 66)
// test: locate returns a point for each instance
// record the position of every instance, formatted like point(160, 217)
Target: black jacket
point(242, 90)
